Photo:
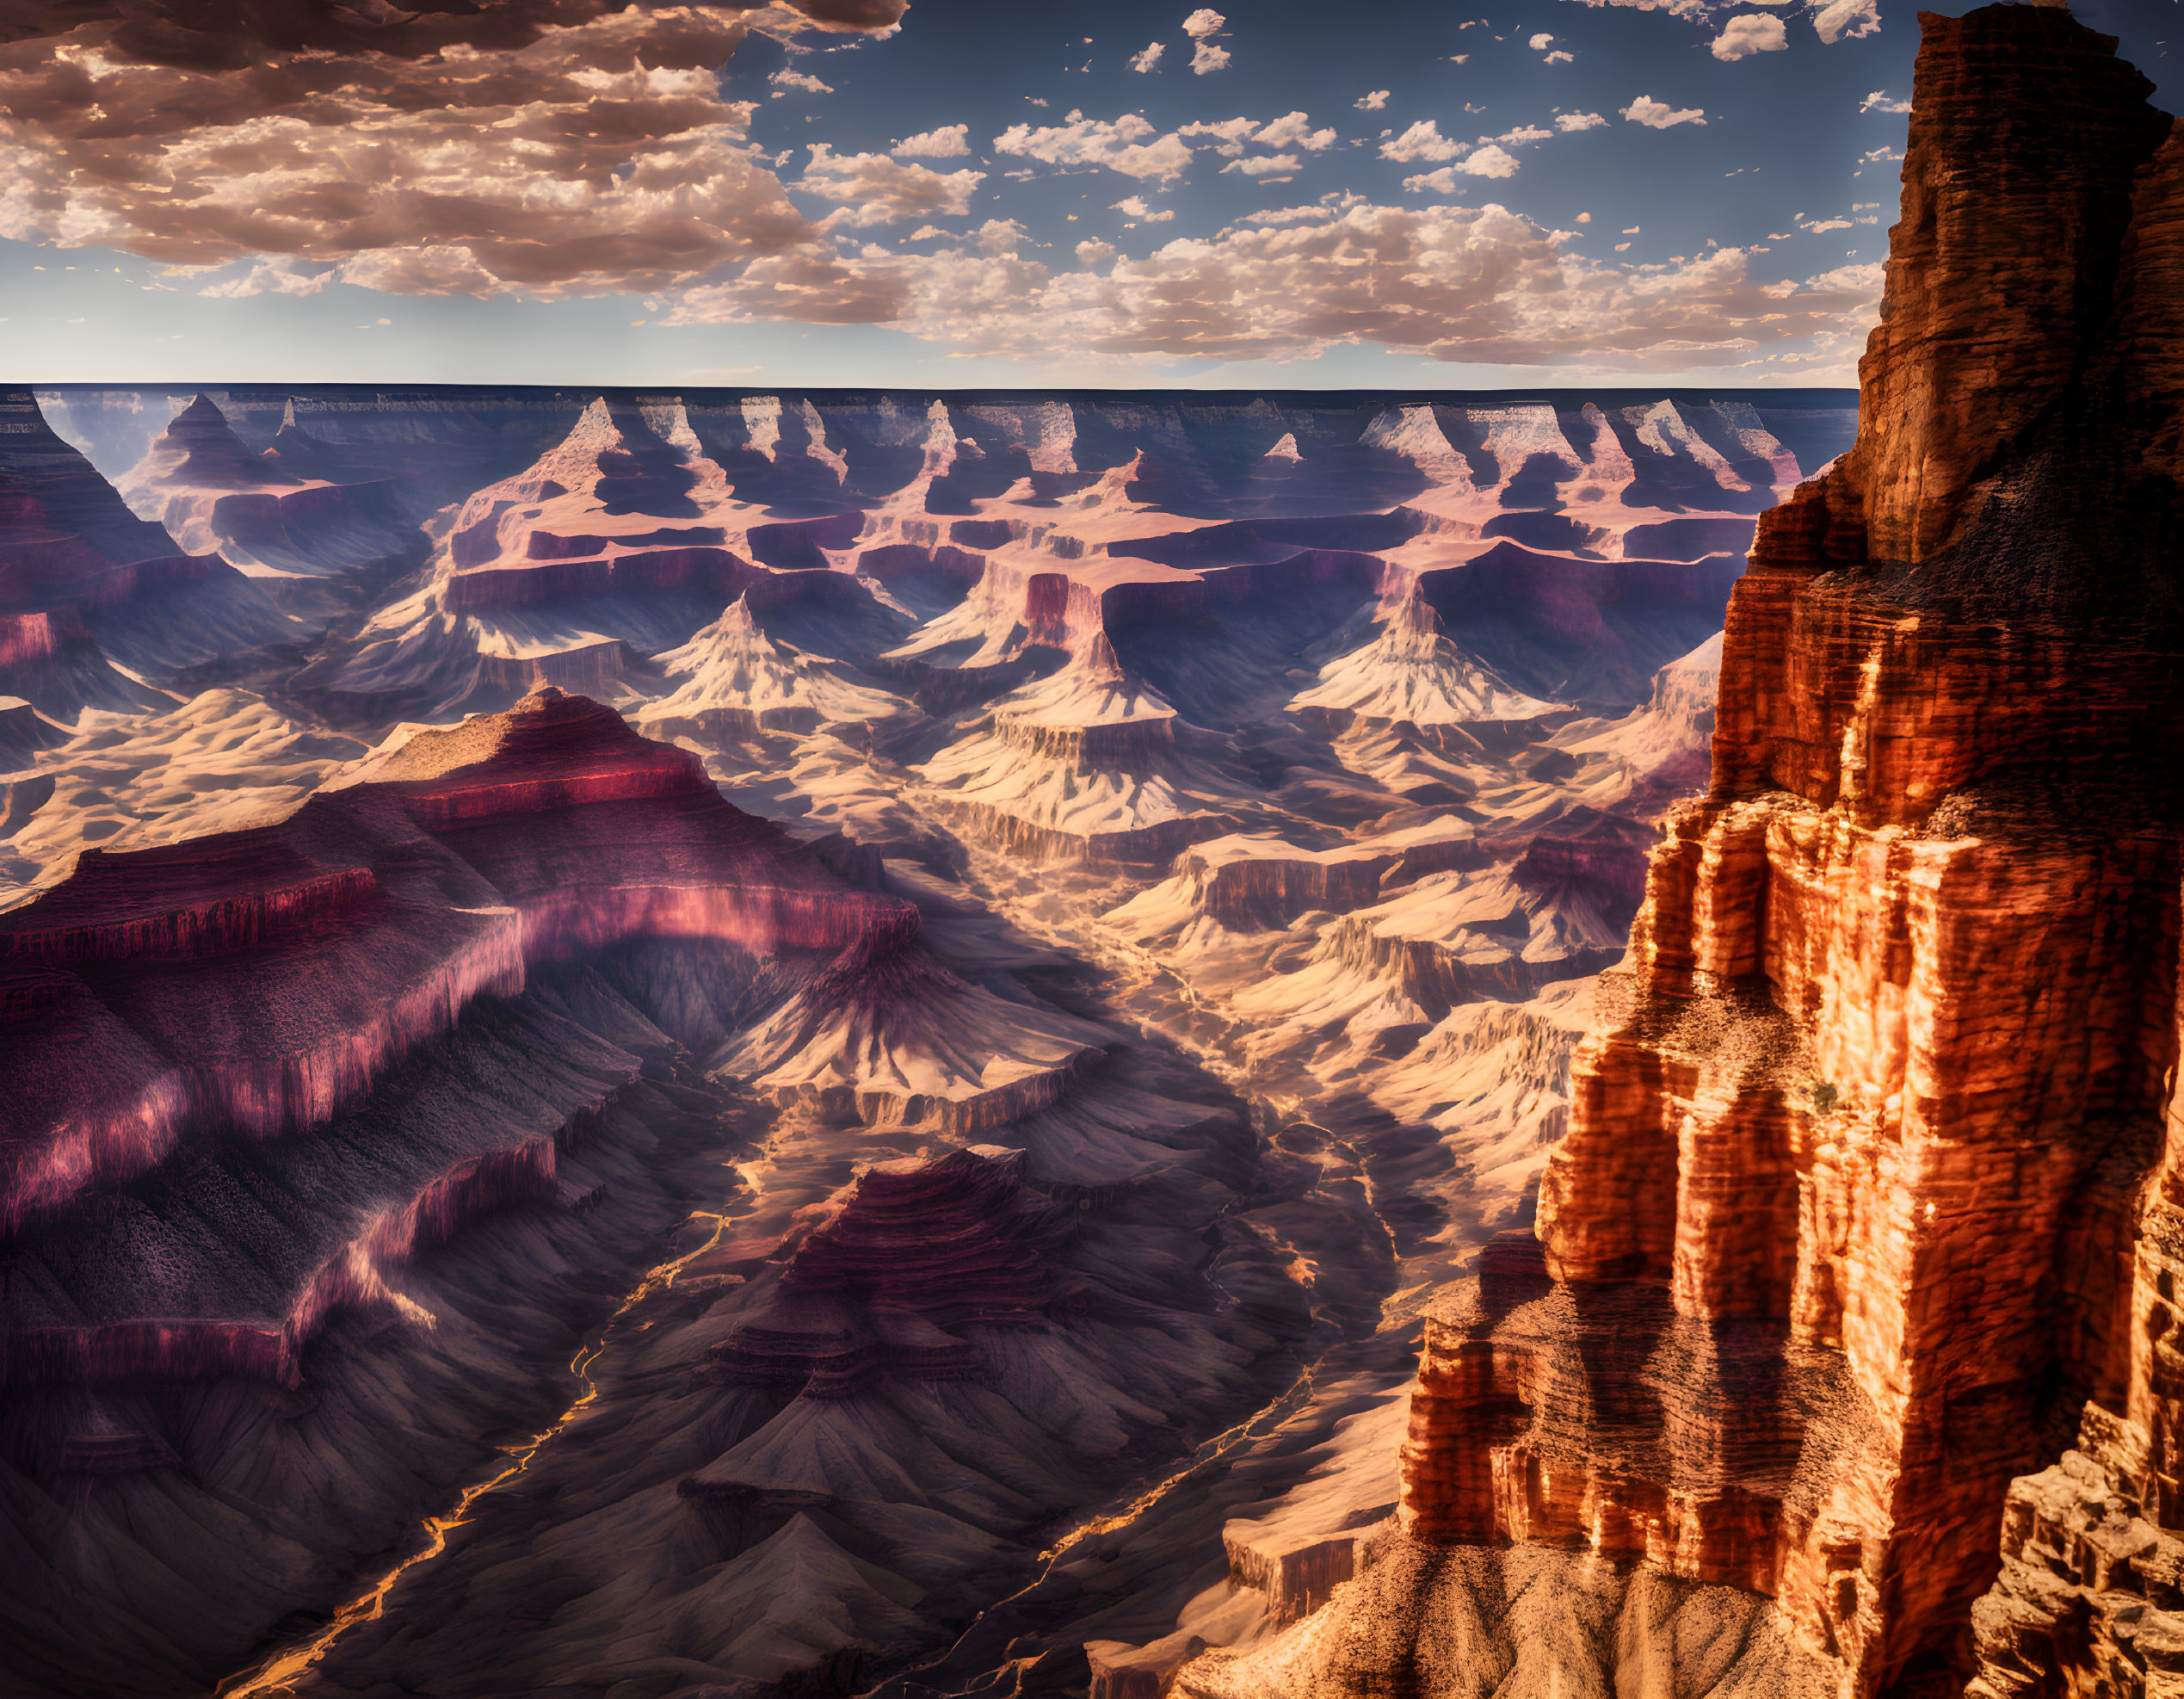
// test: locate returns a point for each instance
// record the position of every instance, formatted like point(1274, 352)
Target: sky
point(1284, 193)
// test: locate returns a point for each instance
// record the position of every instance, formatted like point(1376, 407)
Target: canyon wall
point(1864, 1203)
point(160, 1003)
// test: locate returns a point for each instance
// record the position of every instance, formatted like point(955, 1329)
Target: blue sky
point(1287, 194)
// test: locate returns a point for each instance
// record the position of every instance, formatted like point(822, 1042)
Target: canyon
point(718, 1042)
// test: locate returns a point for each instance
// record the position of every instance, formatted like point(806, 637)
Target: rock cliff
point(162, 1006)
point(1867, 1145)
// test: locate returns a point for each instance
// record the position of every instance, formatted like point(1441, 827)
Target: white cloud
point(1230, 134)
point(950, 141)
point(1143, 62)
point(597, 158)
point(1821, 226)
point(1839, 18)
point(1422, 141)
point(1489, 161)
point(1135, 208)
point(1571, 122)
point(1559, 57)
point(1584, 218)
point(1694, 10)
point(1295, 130)
point(274, 277)
point(1751, 33)
point(1448, 282)
point(998, 236)
point(1208, 58)
point(1204, 22)
point(799, 80)
point(1525, 133)
point(1264, 165)
point(1121, 146)
point(875, 188)
point(1879, 101)
point(1660, 115)
point(1371, 102)
point(1540, 43)
point(1093, 251)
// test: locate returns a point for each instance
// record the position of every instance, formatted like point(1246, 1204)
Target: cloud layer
point(558, 148)
point(554, 149)
point(1457, 284)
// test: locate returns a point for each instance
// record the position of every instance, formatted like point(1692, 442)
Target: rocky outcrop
point(1844, 1231)
point(66, 538)
point(274, 980)
point(911, 1253)
point(82, 577)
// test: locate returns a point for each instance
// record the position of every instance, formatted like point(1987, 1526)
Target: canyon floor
point(747, 1044)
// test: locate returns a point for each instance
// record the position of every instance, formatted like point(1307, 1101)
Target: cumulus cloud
point(1452, 283)
point(1262, 165)
point(1751, 33)
point(1144, 61)
point(1541, 42)
point(950, 141)
point(1204, 22)
point(1559, 57)
point(1129, 144)
point(1660, 115)
point(1422, 141)
point(1135, 208)
point(877, 189)
point(1879, 101)
point(1207, 59)
point(1371, 102)
point(1571, 122)
point(1694, 10)
point(1487, 161)
point(801, 81)
point(1093, 251)
point(575, 149)
point(275, 277)
point(998, 236)
point(1839, 18)
point(1229, 135)
point(1295, 130)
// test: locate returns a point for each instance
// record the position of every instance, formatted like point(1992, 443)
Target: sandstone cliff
point(162, 1009)
point(1864, 1198)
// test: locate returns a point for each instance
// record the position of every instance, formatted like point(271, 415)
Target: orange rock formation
point(1865, 1196)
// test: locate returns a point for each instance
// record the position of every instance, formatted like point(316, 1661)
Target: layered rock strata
point(1855, 1212)
point(163, 1003)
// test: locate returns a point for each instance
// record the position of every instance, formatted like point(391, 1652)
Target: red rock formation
point(67, 538)
point(260, 981)
point(1842, 1232)
point(911, 1250)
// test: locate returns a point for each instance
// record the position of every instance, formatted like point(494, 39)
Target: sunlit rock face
point(1859, 1213)
point(83, 582)
point(265, 983)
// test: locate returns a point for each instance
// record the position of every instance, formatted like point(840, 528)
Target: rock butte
point(1868, 1204)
